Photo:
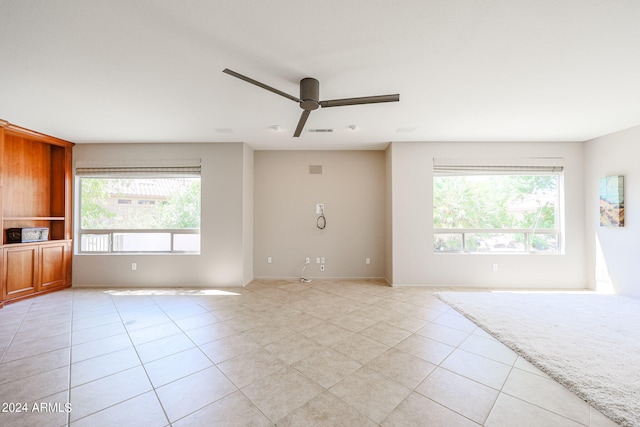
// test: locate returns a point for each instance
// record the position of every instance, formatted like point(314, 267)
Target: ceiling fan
point(309, 94)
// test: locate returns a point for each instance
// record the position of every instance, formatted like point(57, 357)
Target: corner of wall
point(247, 213)
point(388, 237)
point(610, 252)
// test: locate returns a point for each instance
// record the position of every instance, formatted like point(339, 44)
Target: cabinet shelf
point(34, 218)
point(43, 242)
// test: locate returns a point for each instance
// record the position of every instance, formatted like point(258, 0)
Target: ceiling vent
point(320, 130)
point(315, 169)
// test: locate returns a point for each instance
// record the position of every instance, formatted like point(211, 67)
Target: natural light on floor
point(173, 291)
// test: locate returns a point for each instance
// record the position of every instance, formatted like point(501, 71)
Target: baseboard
point(321, 279)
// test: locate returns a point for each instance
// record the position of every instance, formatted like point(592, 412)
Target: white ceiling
point(473, 70)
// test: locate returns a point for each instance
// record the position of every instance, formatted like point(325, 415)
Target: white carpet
point(590, 343)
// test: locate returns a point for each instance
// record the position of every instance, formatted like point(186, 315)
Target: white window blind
point(501, 166)
point(138, 168)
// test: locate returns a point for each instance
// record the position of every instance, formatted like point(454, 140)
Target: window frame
point(189, 168)
point(503, 167)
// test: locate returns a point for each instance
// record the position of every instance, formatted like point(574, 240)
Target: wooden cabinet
point(52, 265)
point(32, 268)
point(19, 271)
point(35, 191)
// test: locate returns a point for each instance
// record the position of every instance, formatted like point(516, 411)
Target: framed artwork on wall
point(612, 201)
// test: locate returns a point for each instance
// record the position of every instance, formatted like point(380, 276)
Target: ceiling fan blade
point(301, 122)
point(262, 85)
point(360, 100)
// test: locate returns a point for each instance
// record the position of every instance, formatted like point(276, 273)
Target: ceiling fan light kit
point(310, 97)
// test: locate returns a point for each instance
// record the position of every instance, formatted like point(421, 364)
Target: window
point(160, 213)
point(510, 206)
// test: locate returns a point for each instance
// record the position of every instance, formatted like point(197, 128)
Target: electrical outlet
point(307, 260)
point(319, 208)
point(367, 261)
point(495, 267)
point(321, 267)
point(321, 260)
point(268, 260)
point(134, 266)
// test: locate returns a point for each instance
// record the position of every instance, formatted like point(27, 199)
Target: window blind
point(138, 168)
point(503, 166)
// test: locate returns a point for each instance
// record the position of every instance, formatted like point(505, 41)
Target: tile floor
point(347, 353)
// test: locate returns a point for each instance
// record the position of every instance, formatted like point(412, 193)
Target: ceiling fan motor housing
point(309, 93)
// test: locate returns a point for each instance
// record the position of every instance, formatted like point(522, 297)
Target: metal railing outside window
point(139, 241)
point(517, 241)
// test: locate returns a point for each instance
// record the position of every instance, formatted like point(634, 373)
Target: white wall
point(225, 232)
point(615, 260)
point(388, 226)
point(415, 263)
point(352, 187)
point(247, 213)
point(378, 205)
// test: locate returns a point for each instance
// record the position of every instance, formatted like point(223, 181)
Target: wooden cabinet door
point(53, 266)
point(20, 271)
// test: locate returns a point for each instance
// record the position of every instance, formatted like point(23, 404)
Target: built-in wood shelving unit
point(35, 191)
